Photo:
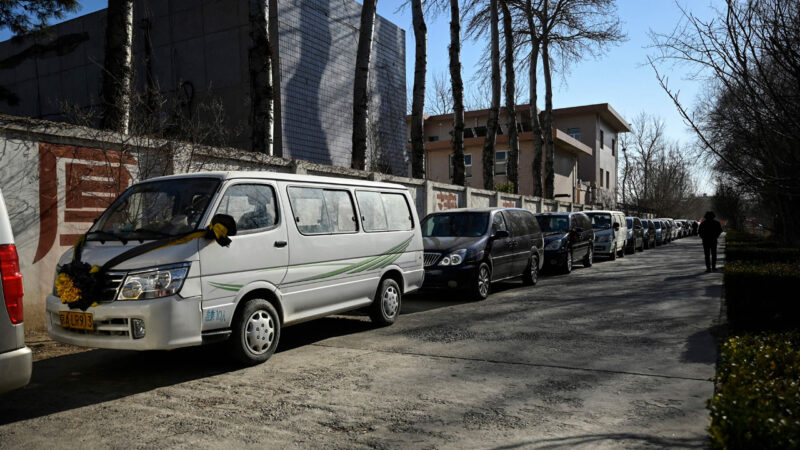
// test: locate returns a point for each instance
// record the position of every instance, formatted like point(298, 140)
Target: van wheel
point(256, 332)
point(483, 282)
point(386, 306)
point(531, 275)
point(613, 254)
point(589, 258)
point(622, 252)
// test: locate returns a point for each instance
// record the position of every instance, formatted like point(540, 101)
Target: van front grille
point(112, 281)
point(431, 258)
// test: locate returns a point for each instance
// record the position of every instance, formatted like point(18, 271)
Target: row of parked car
point(469, 249)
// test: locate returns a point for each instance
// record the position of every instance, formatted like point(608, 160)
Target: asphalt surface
point(616, 355)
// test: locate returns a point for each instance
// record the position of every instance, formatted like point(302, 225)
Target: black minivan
point(469, 249)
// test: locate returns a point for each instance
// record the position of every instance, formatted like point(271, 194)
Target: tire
point(589, 258)
point(567, 263)
point(483, 282)
point(531, 275)
point(622, 252)
point(613, 254)
point(255, 333)
point(386, 306)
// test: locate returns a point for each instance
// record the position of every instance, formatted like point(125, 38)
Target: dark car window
point(518, 225)
point(467, 224)
point(530, 221)
point(600, 221)
point(629, 222)
point(498, 223)
point(553, 223)
point(586, 223)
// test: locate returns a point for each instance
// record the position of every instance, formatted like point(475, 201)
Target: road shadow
point(700, 348)
point(618, 439)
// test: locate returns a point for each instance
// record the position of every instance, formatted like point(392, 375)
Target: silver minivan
point(185, 260)
point(611, 233)
point(15, 357)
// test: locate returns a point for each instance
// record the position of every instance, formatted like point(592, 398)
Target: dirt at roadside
point(44, 347)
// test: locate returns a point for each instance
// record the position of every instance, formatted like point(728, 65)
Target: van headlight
point(454, 259)
point(555, 244)
point(154, 282)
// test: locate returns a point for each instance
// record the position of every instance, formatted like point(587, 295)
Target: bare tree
point(260, 67)
point(418, 102)
point(457, 87)
point(439, 98)
point(749, 121)
point(360, 84)
point(118, 66)
point(534, 33)
point(494, 110)
point(512, 170)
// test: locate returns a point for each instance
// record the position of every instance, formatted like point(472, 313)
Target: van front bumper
point(169, 322)
point(15, 369)
point(602, 248)
point(463, 276)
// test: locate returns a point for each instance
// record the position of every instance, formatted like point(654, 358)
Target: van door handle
point(280, 244)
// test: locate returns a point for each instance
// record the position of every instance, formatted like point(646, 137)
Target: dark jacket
point(709, 230)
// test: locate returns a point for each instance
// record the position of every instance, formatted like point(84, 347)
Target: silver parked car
point(15, 358)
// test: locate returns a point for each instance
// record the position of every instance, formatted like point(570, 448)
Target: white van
point(301, 247)
point(610, 233)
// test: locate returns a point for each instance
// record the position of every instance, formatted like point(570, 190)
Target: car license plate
point(76, 320)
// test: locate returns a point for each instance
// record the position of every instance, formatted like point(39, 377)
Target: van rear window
point(384, 211)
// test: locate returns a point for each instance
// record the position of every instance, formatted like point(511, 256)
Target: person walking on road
point(709, 232)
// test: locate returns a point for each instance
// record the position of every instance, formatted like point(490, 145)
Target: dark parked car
point(635, 235)
point(649, 233)
point(471, 248)
point(567, 237)
point(661, 231)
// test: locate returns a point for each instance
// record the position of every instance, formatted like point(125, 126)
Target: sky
point(621, 77)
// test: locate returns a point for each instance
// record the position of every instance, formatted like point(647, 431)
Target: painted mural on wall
point(54, 192)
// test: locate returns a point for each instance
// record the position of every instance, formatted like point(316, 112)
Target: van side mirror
point(227, 221)
point(616, 226)
point(500, 234)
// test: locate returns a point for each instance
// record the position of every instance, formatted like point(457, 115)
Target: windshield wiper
point(104, 236)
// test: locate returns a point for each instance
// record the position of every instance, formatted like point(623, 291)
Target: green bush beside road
point(756, 402)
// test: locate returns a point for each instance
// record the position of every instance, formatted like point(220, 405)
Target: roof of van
point(482, 209)
point(269, 175)
point(604, 211)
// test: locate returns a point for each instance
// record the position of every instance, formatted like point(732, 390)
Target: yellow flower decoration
point(66, 289)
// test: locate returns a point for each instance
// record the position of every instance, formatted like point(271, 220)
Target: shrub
point(757, 393)
point(760, 253)
point(761, 295)
point(741, 236)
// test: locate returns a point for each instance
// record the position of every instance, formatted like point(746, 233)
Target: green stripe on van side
point(361, 265)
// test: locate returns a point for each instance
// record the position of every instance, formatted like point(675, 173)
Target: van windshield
point(553, 224)
point(600, 221)
point(155, 210)
point(455, 225)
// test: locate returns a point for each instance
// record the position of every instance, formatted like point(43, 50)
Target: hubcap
point(534, 270)
point(569, 261)
point(591, 255)
point(259, 332)
point(390, 301)
point(483, 281)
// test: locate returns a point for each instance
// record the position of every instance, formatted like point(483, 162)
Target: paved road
point(617, 355)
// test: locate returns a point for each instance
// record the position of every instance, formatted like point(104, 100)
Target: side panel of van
point(341, 240)
point(258, 252)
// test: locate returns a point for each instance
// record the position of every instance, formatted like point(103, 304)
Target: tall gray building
point(196, 51)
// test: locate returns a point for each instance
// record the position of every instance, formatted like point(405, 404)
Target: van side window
point(382, 211)
point(498, 223)
point(517, 221)
point(533, 225)
point(252, 206)
point(322, 211)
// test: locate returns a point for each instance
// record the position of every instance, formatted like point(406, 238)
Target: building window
point(500, 159)
point(467, 165)
point(608, 184)
point(574, 133)
point(433, 138)
point(601, 177)
point(602, 138)
point(613, 147)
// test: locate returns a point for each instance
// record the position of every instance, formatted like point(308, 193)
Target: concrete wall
point(199, 53)
point(57, 178)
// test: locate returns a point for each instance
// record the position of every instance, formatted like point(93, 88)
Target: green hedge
point(756, 402)
point(761, 254)
point(762, 295)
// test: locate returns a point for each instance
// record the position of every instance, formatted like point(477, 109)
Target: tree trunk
point(458, 94)
point(536, 127)
point(118, 66)
point(512, 170)
point(547, 122)
point(260, 68)
point(360, 95)
point(418, 102)
point(494, 111)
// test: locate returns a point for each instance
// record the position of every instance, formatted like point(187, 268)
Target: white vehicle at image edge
point(303, 247)
point(15, 358)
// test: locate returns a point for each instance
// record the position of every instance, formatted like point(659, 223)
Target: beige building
point(585, 160)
